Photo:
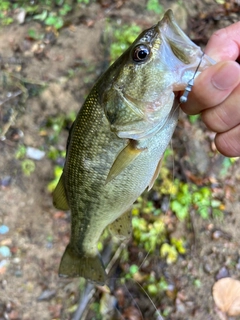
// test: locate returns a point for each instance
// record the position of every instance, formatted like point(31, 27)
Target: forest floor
point(66, 64)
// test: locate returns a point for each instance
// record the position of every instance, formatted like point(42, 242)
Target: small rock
point(5, 251)
point(4, 282)
point(4, 229)
point(222, 273)
point(21, 14)
point(6, 181)
point(238, 264)
point(18, 273)
point(16, 260)
point(16, 134)
point(46, 295)
point(34, 153)
point(218, 234)
point(207, 268)
point(3, 266)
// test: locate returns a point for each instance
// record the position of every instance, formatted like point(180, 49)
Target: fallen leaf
point(132, 313)
point(226, 294)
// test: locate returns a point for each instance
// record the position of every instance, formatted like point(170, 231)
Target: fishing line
point(184, 97)
point(136, 304)
point(157, 311)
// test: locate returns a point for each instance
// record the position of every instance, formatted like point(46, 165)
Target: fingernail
point(227, 76)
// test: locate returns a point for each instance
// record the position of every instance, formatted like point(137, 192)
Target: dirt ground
point(38, 233)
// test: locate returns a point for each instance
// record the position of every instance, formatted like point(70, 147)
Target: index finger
point(224, 44)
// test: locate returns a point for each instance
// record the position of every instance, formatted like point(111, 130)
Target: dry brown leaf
point(226, 294)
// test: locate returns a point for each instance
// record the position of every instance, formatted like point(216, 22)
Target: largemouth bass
point(118, 139)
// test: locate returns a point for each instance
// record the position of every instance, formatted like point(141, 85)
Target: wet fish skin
point(118, 139)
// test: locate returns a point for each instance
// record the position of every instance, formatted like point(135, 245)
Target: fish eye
point(140, 53)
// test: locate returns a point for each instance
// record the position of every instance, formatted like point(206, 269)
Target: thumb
point(212, 86)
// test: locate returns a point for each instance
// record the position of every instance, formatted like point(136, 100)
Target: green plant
point(5, 19)
point(54, 20)
point(83, 1)
point(169, 252)
point(190, 196)
point(155, 6)
point(123, 37)
point(148, 234)
point(227, 163)
point(172, 250)
point(20, 152)
point(56, 124)
point(154, 286)
point(28, 167)
point(197, 283)
point(133, 270)
point(53, 183)
point(52, 129)
point(194, 118)
point(50, 12)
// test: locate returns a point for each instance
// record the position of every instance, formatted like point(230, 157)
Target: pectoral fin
point(59, 196)
point(156, 173)
point(124, 159)
point(122, 227)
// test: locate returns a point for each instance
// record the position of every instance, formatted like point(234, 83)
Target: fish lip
point(168, 21)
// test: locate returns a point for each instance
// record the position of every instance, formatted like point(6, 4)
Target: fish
point(118, 139)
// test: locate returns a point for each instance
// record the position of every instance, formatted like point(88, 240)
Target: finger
point(224, 116)
point(228, 143)
point(224, 44)
point(212, 86)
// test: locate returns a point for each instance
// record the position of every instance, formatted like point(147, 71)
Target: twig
point(90, 289)
point(8, 125)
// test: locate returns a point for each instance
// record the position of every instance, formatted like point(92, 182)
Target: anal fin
point(87, 266)
point(59, 196)
point(124, 159)
point(122, 227)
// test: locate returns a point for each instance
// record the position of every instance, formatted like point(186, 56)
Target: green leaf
point(55, 21)
point(193, 119)
point(66, 8)
point(170, 252)
point(4, 5)
point(153, 5)
point(180, 210)
point(41, 16)
point(179, 245)
point(28, 166)
point(204, 212)
point(133, 269)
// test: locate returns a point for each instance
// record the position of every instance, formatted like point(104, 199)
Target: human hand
point(216, 91)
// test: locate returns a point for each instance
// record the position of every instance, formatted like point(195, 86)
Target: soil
point(67, 63)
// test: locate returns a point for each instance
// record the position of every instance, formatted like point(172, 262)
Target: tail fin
point(75, 265)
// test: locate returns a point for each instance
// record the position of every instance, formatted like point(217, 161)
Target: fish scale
point(118, 139)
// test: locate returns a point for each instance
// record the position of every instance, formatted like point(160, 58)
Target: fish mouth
point(183, 55)
point(169, 26)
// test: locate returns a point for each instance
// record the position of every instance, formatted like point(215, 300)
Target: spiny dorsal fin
point(59, 196)
point(124, 159)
